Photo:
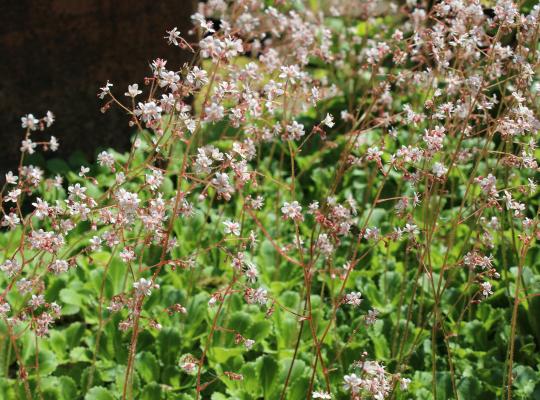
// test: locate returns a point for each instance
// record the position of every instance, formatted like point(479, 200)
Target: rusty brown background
point(55, 54)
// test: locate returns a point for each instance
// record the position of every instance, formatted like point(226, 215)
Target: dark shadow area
point(57, 53)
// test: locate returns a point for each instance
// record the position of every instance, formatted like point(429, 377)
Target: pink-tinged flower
point(439, 170)
point(127, 255)
point(214, 112)
point(143, 287)
point(354, 299)
point(371, 317)
point(231, 227)
point(292, 211)
point(148, 111)
point(4, 308)
point(294, 131)
point(59, 266)
point(11, 220)
point(251, 272)
point(10, 267)
point(189, 367)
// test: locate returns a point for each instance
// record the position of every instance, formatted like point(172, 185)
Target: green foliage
point(198, 336)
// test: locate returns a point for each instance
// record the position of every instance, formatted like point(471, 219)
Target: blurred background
point(57, 53)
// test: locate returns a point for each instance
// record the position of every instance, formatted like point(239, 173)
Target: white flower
point(127, 202)
point(352, 383)
point(84, 170)
point(4, 308)
point(30, 122)
point(13, 195)
point(49, 118)
point(321, 395)
point(404, 383)
point(11, 220)
point(328, 121)
point(260, 296)
point(214, 112)
point(144, 287)
point(77, 191)
point(411, 229)
point(206, 26)
point(354, 298)
point(28, 146)
point(120, 178)
point(292, 210)
point(133, 90)
point(295, 131)
point(36, 301)
point(197, 77)
point(105, 159)
point(371, 317)
point(42, 208)
point(290, 72)
point(233, 47)
point(127, 255)
point(148, 111)
point(105, 90)
point(95, 243)
point(169, 78)
point(11, 178)
point(251, 272)
point(155, 179)
point(486, 289)
point(58, 180)
point(372, 233)
point(374, 154)
point(10, 267)
point(59, 266)
point(232, 227)
point(439, 170)
point(53, 143)
point(172, 36)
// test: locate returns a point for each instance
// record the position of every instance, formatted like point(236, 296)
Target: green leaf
point(47, 361)
point(298, 389)
point(152, 391)
point(147, 366)
point(468, 388)
point(268, 371)
point(74, 334)
point(298, 369)
point(57, 166)
point(169, 344)
point(98, 393)
point(222, 354)
point(251, 381)
point(68, 387)
point(259, 330)
point(72, 300)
